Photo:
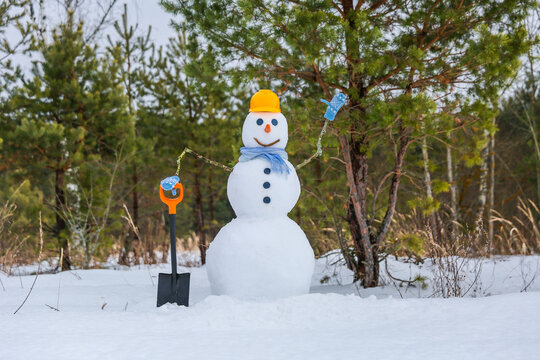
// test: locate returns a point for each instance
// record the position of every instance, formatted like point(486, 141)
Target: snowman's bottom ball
point(263, 258)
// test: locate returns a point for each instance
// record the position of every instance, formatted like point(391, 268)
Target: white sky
point(149, 12)
point(142, 12)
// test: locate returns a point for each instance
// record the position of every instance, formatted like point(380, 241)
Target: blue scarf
point(275, 156)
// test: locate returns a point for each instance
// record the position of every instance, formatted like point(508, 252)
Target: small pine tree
point(66, 119)
point(130, 52)
point(191, 107)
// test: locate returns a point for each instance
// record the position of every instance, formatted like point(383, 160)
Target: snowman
point(262, 253)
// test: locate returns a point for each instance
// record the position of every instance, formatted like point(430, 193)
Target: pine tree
point(130, 52)
point(12, 13)
point(64, 121)
point(192, 107)
point(395, 60)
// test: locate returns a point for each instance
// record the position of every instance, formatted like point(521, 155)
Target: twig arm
point(199, 156)
point(318, 152)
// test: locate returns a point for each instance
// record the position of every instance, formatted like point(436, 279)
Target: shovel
point(173, 288)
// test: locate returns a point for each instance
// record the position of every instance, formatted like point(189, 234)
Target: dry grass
point(411, 236)
point(455, 273)
point(12, 245)
point(520, 234)
point(455, 258)
point(152, 243)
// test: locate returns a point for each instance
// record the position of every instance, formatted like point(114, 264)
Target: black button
point(266, 185)
point(266, 200)
point(267, 171)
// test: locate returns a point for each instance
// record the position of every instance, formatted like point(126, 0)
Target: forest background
point(435, 154)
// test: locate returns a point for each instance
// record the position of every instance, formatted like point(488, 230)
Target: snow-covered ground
point(111, 314)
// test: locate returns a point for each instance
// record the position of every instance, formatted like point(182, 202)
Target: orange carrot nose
point(267, 128)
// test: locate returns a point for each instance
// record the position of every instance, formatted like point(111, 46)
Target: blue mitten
point(169, 183)
point(333, 106)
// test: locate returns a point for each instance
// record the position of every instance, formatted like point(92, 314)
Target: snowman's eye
point(259, 121)
point(274, 122)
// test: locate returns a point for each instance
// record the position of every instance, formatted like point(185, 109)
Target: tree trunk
point(355, 147)
point(132, 237)
point(532, 129)
point(482, 191)
point(356, 166)
point(135, 200)
point(429, 190)
point(491, 192)
point(61, 226)
point(355, 157)
point(453, 192)
point(200, 214)
point(538, 181)
point(530, 116)
point(366, 240)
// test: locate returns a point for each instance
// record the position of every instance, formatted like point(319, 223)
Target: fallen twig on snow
point(51, 307)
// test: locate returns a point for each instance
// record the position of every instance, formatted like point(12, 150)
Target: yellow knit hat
point(264, 100)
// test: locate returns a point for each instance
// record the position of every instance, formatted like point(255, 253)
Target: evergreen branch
point(199, 156)
point(319, 148)
point(342, 13)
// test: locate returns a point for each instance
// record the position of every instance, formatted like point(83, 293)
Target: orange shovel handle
point(172, 202)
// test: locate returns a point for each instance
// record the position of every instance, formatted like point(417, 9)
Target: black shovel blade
point(170, 291)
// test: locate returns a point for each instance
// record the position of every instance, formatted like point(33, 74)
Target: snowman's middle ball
point(254, 190)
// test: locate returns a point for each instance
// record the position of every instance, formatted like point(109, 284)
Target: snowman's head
point(265, 129)
point(265, 126)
